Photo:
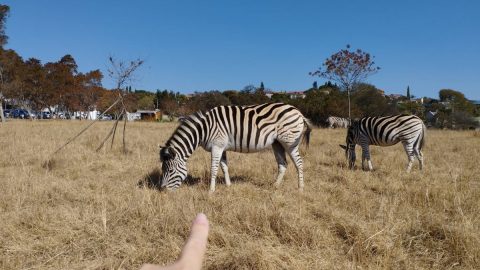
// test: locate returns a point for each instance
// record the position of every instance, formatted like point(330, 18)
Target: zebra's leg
point(224, 165)
point(363, 160)
point(297, 159)
point(366, 156)
point(281, 158)
point(419, 155)
point(410, 155)
point(216, 156)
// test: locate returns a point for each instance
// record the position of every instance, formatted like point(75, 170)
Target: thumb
point(194, 249)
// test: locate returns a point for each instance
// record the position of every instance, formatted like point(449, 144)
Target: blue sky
point(204, 45)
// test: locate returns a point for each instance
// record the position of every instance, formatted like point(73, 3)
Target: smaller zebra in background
point(337, 122)
point(386, 131)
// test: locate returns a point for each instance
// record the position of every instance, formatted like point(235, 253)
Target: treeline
point(450, 110)
point(60, 86)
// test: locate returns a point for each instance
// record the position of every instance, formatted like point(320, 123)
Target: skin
point(193, 251)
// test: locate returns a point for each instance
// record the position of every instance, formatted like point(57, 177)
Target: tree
point(457, 110)
point(87, 91)
point(146, 102)
point(262, 87)
point(35, 79)
point(347, 68)
point(456, 100)
point(61, 83)
point(4, 12)
point(408, 93)
point(206, 101)
point(371, 101)
point(315, 85)
point(249, 89)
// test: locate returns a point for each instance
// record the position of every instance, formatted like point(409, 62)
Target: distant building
point(149, 115)
point(269, 93)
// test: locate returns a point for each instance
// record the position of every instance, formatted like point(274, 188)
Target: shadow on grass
point(152, 180)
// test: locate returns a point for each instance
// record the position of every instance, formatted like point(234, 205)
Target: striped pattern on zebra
point(337, 122)
point(244, 129)
point(386, 131)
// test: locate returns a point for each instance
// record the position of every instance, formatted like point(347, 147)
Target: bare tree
point(347, 68)
point(122, 73)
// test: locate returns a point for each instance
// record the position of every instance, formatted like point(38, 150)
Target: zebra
point(243, 129)
point(386, 131)
point(334, 122)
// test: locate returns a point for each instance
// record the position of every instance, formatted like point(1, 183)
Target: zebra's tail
point(308, 131)
point(422, 141)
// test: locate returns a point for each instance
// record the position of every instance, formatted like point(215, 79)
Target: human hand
point(193, 251)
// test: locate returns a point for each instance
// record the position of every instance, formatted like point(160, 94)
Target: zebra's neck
point(191, 133)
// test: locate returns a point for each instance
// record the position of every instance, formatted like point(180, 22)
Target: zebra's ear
point(343, 146)
point(167, 153)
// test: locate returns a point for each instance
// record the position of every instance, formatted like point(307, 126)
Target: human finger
point(194, 249)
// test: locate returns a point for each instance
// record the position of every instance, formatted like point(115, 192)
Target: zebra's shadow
point(151, 180)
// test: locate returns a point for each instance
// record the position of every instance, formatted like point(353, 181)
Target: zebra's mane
point(191, 118)
point(184, 121)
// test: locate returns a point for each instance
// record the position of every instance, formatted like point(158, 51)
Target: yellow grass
point(87, 211)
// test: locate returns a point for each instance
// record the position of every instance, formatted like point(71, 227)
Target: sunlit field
point(90, 210)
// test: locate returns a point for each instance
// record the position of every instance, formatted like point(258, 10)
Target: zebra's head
point(350, 147)
point(174, 168)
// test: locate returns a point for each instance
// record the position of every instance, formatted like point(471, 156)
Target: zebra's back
point(390, 130)
point(253, 128)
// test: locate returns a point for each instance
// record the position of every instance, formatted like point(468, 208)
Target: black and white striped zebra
point(337, 122)
point(386, 131)
point(236, 128)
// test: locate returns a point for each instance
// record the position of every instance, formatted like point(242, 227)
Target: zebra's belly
point(382, 143)
point(244, 146)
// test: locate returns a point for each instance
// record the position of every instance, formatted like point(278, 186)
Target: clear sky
point(205, 45)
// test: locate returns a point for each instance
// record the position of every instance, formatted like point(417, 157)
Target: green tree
point(207, 100)
point(146, 102)
point(371, 101)
point(456, 100)
point(408, 93)
point(457, 111)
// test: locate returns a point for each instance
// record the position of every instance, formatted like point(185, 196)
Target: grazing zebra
point(386, 131)
point(337, 122)
point(244, 129)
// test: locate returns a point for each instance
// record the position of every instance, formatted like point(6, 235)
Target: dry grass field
point(89, 212)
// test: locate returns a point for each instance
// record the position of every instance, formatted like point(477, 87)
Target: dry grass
point(87, 211)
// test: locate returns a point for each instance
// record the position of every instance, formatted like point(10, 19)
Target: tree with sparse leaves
point(347, 68)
